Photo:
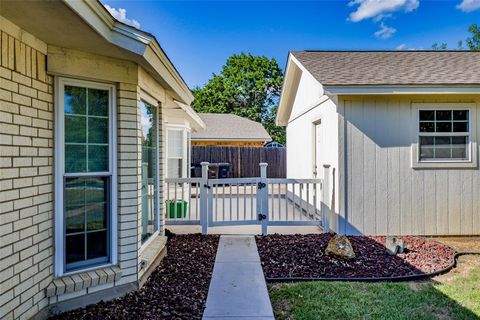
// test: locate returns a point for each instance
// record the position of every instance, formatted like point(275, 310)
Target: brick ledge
point(83, 280)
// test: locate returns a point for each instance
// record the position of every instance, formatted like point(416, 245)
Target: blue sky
point(198, 36)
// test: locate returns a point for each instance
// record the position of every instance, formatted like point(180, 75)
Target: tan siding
point(384, 194)
point(129, 181)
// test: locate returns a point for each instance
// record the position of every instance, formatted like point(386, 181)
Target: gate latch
point(207, 186)
point(261, 185)
point(262, 217)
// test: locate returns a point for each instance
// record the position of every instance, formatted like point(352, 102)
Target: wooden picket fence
point(244, 160)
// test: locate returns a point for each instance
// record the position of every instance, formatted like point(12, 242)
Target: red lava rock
point(292, 256)
point(176, 289)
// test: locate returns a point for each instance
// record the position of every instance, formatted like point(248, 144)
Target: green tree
point(248, 86)
point(473, 42)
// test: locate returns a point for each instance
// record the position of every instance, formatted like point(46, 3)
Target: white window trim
point(472, 147)
point(186, 148)
point(59, 267)
point(155, 104)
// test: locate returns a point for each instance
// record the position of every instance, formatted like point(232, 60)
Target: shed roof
point(346, 68)
point(230, 127)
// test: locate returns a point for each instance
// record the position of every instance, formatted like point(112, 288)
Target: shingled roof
point(230, 127)
point(346, 68)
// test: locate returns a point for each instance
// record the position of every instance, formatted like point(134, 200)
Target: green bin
point(175, 209)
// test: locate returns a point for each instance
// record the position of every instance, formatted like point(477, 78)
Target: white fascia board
point(402, 90)
point(291, 80)
point(133, 40)
point(196, 122)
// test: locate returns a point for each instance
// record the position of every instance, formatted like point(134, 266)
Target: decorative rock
point(340, 247)
point(394, 245)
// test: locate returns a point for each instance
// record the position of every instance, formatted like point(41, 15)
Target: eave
point(150, 54)
point(401, 89)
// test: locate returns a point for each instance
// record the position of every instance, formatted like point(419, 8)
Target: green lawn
point(456, 298)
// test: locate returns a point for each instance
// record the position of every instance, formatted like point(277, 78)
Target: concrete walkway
point(238, 289)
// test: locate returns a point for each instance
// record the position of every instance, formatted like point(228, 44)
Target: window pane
point(426, 153)
point(98, 102)
point(75, 248)
point(427, 115)
point(442, 152)
point(95, 189)
point(97, 244)
point(443, 115)
point(460, 114)
point(149, 157)
point(459, 140)
point(460, 127)
point(442, 144)
point(75, 219)
point(459, 153)
point(97, 158)
point(74, 192)
point(75, 158)
point(444, 127)
point(442, 141)
point(426, 141)
point(97, 130)
point(175, 143)
point(426, 147)
point(85, 201)
point(175, 168)
point(427, 127)
point(75, 129)
point(97, 216)
point(74, 100)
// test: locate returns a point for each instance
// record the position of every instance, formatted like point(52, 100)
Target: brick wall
point(26, 179)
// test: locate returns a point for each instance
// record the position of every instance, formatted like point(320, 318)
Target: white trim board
point(389, 90)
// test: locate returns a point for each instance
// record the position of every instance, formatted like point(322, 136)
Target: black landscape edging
point(413, 277)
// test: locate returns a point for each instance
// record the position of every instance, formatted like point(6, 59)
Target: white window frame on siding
point(472, 160)
point(59, 263)
point(157, 211)
point(186, 155)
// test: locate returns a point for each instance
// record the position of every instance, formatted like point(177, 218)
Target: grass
point(458, 297)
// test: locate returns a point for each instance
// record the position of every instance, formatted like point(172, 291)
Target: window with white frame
point(85, 174)
point(444, 134)
point(178, 151)
point(150, 168)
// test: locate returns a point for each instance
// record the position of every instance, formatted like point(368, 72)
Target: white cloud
point(404, 47)
point(121, 15)
point(385, 32)
point(469, 5)
point(380, 9)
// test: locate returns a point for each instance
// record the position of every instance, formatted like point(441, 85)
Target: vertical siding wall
point(384, 195)
point(26, 179)
point(129, 181)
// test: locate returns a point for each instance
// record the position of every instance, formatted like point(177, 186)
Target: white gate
point(247, 201)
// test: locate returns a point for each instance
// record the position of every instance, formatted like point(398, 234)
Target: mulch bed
point(302, 256)
point(177, 289)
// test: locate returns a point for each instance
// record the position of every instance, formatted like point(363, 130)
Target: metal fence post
point(204, 198)
point(264, 197)
point(326, 197)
